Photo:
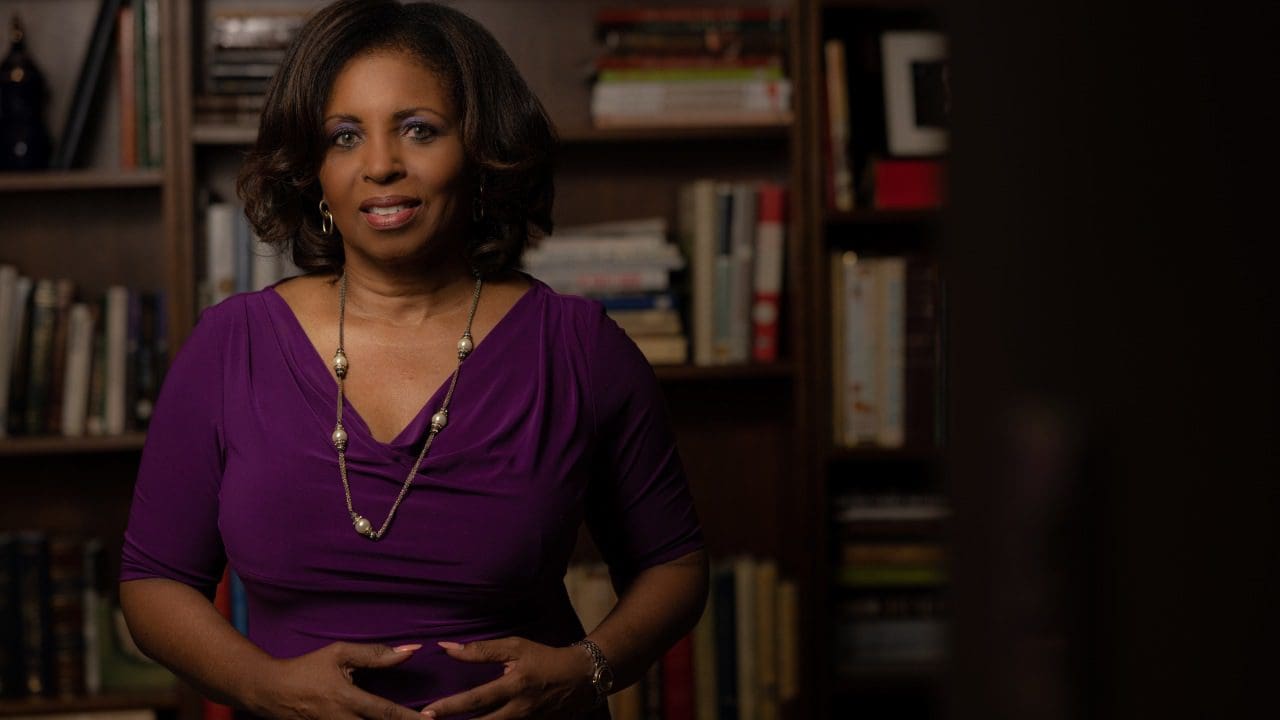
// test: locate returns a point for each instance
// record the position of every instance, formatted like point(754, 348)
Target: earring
point(477, 204)
point(326, 219)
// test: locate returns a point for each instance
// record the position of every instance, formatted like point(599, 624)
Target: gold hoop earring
point(326, 219)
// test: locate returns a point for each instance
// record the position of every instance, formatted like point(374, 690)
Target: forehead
point(387, 80)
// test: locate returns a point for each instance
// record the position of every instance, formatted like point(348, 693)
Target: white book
point(220, 252)
point(117, 325)
point(75, 384)
point(856, 353)
point(744, 603)
point(8, 337)
point(607, 251)
point(892, 279)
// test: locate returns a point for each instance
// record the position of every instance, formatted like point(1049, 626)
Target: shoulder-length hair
point(507, 137)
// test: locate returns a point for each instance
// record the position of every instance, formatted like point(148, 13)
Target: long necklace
point(438, 420)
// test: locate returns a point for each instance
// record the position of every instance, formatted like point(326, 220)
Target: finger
point(373, 655)
point(500, 650)
point(490, 695)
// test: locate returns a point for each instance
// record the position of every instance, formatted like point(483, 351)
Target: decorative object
point(24, 138)
point(916, 92)
point(341, 366)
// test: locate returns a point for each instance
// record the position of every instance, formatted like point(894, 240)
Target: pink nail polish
point(450, 645)
point(407, 648)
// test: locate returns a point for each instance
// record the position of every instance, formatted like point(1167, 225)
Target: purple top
point(556, 418)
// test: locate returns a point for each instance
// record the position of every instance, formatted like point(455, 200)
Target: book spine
point(126, 51)
point(94, 590)
point(12, 683)
point(142, 97)
point(837, 87)
point(75, 398)
point(722, 584)
point(705, 663)
point(115, 412)
point(721, 353)
point(155, 102)
point(766, 631)
point(33, 608)
point(133, 349)
point(921, 346)
point(893, 288)
point(702, 260)
point(96, 420)
point(677, 681)
point(766, 305)
point(220, 251)
point(66, 616)
point(44, 312)
point(744, 603)
point(65, 291)
point(743, 255)
point(86, 86)
point(20, 361)
point(788, 608)
point(8, 338)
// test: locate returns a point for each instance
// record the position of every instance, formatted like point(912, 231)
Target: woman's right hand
point(319, 686)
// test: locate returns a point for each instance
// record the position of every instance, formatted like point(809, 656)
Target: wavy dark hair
point(506, 134)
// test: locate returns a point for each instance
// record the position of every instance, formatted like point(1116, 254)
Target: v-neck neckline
point(318, 374)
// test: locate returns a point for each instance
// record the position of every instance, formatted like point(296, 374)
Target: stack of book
point(627, 266)
point(235, 260)
point(78, 368)
point(886, 344)
point(244, 49)
point(741, 660)
point(891, 570)
point(691, 66)
point(59, 636)
point(733, 234)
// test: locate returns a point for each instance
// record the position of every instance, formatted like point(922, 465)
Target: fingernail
point(450, 645)
point(407, 648)
point(429, 713)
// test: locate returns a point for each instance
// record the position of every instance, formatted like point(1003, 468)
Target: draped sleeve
point(173, 521)
point(638, 506)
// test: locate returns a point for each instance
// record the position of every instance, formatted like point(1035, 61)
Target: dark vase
point(24, 139)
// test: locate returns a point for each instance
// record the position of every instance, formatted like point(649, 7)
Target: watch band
point(601, 672)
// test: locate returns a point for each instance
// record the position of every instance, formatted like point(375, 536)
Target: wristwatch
point(601, 673)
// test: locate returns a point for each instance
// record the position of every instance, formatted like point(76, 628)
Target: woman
point(401, 557)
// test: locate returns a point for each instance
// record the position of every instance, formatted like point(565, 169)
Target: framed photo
point(917, 94)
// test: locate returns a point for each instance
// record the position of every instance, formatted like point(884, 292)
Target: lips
point(388, 212)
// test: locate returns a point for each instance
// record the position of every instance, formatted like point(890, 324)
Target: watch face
point(603, 679)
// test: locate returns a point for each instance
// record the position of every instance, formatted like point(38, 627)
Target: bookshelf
point(877, 685)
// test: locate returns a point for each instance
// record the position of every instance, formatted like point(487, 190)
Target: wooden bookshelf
point(53, 445)
point(91, 179)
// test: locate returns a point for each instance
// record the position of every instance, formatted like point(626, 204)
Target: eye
point(344, 138)
point(420, 131)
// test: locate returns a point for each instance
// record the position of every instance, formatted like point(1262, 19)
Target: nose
point(382, 161)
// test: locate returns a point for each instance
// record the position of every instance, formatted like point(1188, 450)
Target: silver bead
point(339, 438)
point(465, 346)
point(340, 364)
point(439, 420)
point(363, 526)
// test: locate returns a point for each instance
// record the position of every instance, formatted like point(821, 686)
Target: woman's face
point(394, 168)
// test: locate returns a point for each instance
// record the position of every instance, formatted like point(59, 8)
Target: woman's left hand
point(538, 681)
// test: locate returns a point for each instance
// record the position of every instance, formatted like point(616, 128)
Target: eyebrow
point(398, 116)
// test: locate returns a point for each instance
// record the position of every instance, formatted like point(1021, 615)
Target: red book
point(766, 301)
point(908, 184)
point(677, 681)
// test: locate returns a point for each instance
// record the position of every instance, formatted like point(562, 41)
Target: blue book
point(239, 605)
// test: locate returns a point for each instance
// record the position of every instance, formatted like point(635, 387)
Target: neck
point(407, 299)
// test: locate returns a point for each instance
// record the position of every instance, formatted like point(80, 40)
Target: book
point(766, 632)
point(127, 76)
point(220, 252)
point(722, 280)
point(12, 680)
point(21, 354)
point(890, 340)
point(840, 181)
point(705, 663)
point(66, 616)
point(152, 105)
point(726, 641)
point(747, 650)
point(742, 258)
point(75, 398)
point(64, 290)
point(87, 87)
point(766, 303)
point(663, 349)
point(8, 337)
point(697, 211)
point(788, 638)
point(677, 681)
point(907, 184)
point(116, 411)
point(34, 647)
point(44, 313)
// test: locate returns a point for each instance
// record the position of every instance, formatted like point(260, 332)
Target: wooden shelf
point(54, 445)
point(685, 373)
point(80, 180)
point(140, 700)
point(883, 217)
point(223, 134)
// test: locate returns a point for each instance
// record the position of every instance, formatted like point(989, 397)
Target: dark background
point(1110, 247)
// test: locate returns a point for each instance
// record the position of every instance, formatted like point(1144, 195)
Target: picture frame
point(916, 92)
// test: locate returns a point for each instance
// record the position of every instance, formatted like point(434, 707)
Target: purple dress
point(557, 418)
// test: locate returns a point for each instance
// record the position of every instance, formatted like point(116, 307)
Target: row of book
point(887, 351)
point(244, 48)
point(60, 636)
point(72, 367)
point(734, 235)
point(890, 571)
point(235, 260)
point(691, 66)
point(627, 266)
point(886, 121)
point(739, 663)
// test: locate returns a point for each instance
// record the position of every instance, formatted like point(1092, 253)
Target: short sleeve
point(173, 522)
point(638, 509)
